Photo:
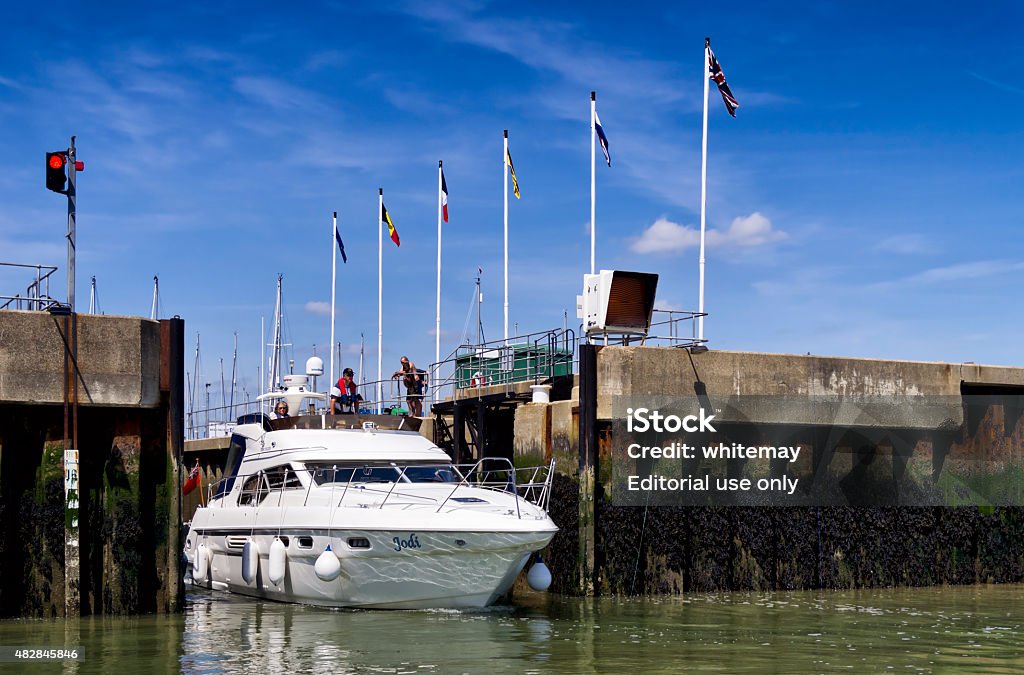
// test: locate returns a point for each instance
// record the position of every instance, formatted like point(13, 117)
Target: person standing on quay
point(412, 378)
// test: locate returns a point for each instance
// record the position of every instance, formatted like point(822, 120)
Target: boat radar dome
point(314, 366)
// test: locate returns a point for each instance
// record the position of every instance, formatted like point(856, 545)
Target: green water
point(975, 629)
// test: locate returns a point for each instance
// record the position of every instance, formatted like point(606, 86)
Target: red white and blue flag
point(444, 197)
point(192, 481)
point(602, 139)
point(716, 74)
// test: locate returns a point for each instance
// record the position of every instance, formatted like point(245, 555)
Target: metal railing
point(504, 478)
point(37, 293)
point(532, 484)
point(532, 357)
point(219, 421)
point(669, 331)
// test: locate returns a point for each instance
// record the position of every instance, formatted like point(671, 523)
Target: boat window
point(254, 490)
point(235, 454)
point(367, 473)
point(283, 476)
point(440, 473)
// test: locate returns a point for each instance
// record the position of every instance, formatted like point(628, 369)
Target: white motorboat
point(341, 511)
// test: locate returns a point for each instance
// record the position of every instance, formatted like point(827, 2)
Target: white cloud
point(747, 232)
point(318, 307)
point(958, 273)
point(561, 48)
point(278, 94)
point(964, 271)
point(668, 306)
point(908, 244)
point(665, 236)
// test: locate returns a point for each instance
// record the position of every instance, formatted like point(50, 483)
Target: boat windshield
point(388, 473)
point(435, 473)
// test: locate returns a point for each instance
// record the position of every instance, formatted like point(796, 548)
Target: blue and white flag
point(602, 139)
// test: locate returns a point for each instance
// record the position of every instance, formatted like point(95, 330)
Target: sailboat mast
point(195, 379)
point(156, 297)
point(479, 321)
point(234, 365)
point(275, 354)
point(362, 345)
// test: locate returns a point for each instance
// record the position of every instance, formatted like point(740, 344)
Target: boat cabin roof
point(342, 438)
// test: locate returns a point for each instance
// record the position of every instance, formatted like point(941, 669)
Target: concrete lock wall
point(119, 551)
point(603, 548)
point(118, 359)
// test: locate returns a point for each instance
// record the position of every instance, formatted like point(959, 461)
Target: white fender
point(327, 566)
point(250, 560)
point(201, 564)
point(539, 576)
point(278, 561)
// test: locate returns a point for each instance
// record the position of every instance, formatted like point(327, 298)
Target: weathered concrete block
point(565, 430)
point(532, 437)
point(118, 359)
point(797, 389)
point(427, 428)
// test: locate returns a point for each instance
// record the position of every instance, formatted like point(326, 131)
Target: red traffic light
point(56, 177)
point(79, 166)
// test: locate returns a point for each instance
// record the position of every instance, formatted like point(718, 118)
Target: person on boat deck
point(412, 378)
point(346, 392)
point(281, 410)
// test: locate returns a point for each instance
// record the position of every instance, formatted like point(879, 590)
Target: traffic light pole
point(71, 225)
point(72, 563)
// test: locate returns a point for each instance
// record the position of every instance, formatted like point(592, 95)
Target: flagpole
point(703, 193)
point(593, 182)
point(504, 162)
point(380, 296)
point(334, 283)
point(437, 320)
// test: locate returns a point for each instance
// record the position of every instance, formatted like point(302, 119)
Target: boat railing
point(499, 474)
point(220, 421)
point(532, 484)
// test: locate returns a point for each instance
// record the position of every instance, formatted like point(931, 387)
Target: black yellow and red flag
point(386, 218)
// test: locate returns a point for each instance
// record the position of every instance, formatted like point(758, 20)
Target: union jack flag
point(716, 74)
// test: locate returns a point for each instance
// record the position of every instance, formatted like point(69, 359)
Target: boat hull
point(387, 569)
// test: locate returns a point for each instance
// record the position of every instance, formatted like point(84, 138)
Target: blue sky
point(866, 201)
